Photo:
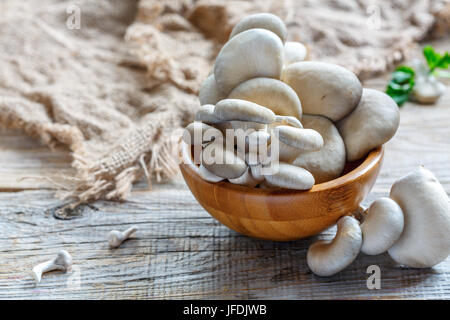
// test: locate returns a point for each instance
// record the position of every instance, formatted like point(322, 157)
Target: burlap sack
point(118, 89)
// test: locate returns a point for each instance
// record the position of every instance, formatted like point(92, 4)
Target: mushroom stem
point(326, 258)
point(62, 261)
point(115, 237)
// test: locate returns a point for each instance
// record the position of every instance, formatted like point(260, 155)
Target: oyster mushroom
point(266, 21)
point(290, 177)
point(323, 88)
point(382, 226)
point(209, 93)
point(270, 93)
point(327, 163)
point(425, 240)
point(294, 52)
point(374, 121)
point(292, 141)
point(326, 258)
point(250, 54)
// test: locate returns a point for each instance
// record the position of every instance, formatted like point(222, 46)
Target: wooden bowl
point(284, 214)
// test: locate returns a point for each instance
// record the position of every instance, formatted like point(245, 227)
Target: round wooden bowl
point(284, 214)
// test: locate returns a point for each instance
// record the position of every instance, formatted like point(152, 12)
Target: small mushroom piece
point(427, 90)
point(323, 88)
point(294, 52)
point(290, 177)
point(197, 133)
point(115, 237)
point(245, 180)
point(382, 226)
point(204, 173)
point(374, 121)
point(206, 115)
point(326, 258)
point(270, 93)
point(286, 121)
point(62, 261)
point(425, 240)
point(223, 161)
point(250, 54)
point(327, 163)
point(241, 110)
point(209, 93)
point(266, 21)
point(292, 141)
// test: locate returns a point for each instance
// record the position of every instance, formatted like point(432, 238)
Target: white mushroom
point(270, 93)
point(241, 110)
point(286, 121)
point(290, 177)
point(294, 52)
point(374, 121)
point(266, 21)
point(204, 173)
point(326, 258)
point(223, 161)
point(425, 240)
point(327, 163)
point(197, 133)
point(206, 115)
point(382, 226)
point(209, 93)
point(427, 90)
point(323, 88)
point(245, 180)
point(62, 261)
point(292, 141)
point(250, 54)
point(115, 237)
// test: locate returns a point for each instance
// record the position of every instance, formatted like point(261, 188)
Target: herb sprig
point(403, 78)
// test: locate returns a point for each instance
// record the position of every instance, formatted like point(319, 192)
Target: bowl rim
point(371, 160)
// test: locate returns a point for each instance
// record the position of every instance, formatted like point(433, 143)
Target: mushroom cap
point(425, 240)
point(207, 175)
point(63, 260)
point(250, 54)
point(326, 258)
point(302, 139)
point(327, 163)
point(206, 115)
point(382, 226)
point(241, 110)
point(270, 93)
point(290, 177)
point(223, 161)
point(374, 121)
point(427, 90)
point(198, 132)
point(294, 52)
point(286, 121)
point(258, 138)
point(266, 21)
point(323, 88)
point(245, 180)
point(209, 93)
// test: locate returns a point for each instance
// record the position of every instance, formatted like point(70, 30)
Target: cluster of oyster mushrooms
point(412, 225)
point(316, 114)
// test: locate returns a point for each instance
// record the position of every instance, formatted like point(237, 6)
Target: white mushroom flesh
point(266, 21)
point(382, 226)
point(326, 258)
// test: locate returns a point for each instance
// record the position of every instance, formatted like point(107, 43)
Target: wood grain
point(282, 214)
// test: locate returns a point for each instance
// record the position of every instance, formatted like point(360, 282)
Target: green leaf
point(436, 60)
point(401, 84)
point(401, 99)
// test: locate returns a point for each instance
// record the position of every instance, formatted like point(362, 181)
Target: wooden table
point(181, 252)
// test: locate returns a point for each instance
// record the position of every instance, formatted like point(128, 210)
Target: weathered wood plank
point(179, 252)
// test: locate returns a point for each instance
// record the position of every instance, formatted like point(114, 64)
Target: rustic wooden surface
point(180, 251)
